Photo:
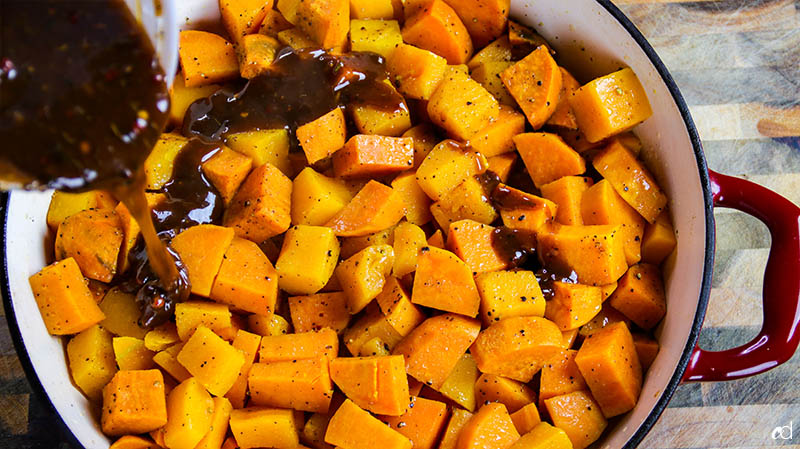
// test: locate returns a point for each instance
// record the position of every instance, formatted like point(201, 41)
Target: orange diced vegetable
point(206, 58)
point(374, 208)
point(134, 402)
point(547, 157)
point(365, 155)
point(65, 302)
point(640, 295)
point(442, 281)
point(535, 82)
point(438, 28)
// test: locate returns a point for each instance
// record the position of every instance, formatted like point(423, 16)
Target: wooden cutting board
point(737, 63)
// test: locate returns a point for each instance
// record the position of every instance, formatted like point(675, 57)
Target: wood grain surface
point(737, 63)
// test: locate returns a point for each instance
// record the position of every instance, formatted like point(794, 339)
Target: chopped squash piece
point(256, 54)
point(646, 348)
point(422, 423)
point(353, 245)
point(461, 105)
point(563, 115)
point(131, 354)
point(93, 238)
point(458, 419)
point(485, 21)
point(444, 282)
point(526, 418)
point(506, 294)
point(408, 240)
point(658, 240)
point(493, 388)
point(189, 412)
point(122, 314)
point(523, 211)
point(378, 384)
point(373, 325)
point(579, 416)
point(595, 253)
point(317, 198)
point(263, 146)
point(524, 40)
point(273, 23)
point(323, 136)
point(306, 345)
point(425, 138)
point(415, 72)
point(134, 402)
point(206, 58)
point(488, 75)
point(246, 279)
point(560, 375)
point(190, 315)
point(489, 427)
point(313, 312)
point(573, 305)
point(307, 260)
point(497, 51)
point(544, 436)
point(211, 360)
point(475, 244)
point(460, 384)
point(161, 337)
point(202, 249)
point(547, 157)
point(395, 304)
point(264, 325)
point(607, 315)
point(601, 204)
point(567, 193)
point(640, 295)
point(63, 204)
point(370, 9)
point(91, 360)
point(373, 156)
point(447, 165)
point(248, 345)
point(371, 433)
point(376, 36)
point(535, 82)
point(497, 137)
point(468, 200)
point(374, 208)
point(438, 28)
point(219, 425)
point(242, 17)
point(362, 276)
point(260, 209)
point(227, 169)
point(254, 427)
point(297, 384)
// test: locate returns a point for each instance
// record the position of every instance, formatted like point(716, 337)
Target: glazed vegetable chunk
point(447, 165)
point(610, 105)
point(317, 198)
point(242, 17)
point(544, 436)
point(313, 312)
point(601, 204)
point(227, 170)
point(535, 82)
point(490, 428)
point(422, 423)
point(376, 36)
point(325, 21)
point(526, 418)
point(579, 416)
point(444, 282)
point(397, 307)
point(202, 249)
point(306, 345)
point(256, 54)
point(307, 260)
point(640, 295)
point(260, 209)
point(658, 240)
point(523, 211)
point(248, 344)
point(485, 21)
point(246, 279)
point(63, 204)
point(567, 193)
point(219, 425)
point(563, 116)
point(65, 302)
point(408, 240)
point(378, 384)
point(93, 238)
point(262, 146)
point(460, 384)
point(362, 276)
point(322, 137)
point(190, 315)
point(415, 72)
point(561, 376)
point(354, 428)
point(573, 305)
point(458, 419)
point(365, 155)
point(467, 201)
point(206, 58)
point(131, 354)
point(493, 388)
point(134, 402)
point(497, 137)
point(414, 198)
point(595, 253)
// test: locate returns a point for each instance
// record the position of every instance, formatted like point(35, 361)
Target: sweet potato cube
point(313, 312)
point(517, 347)
point(93, 238)
point(595, 253)
point(254, 427)
point(607, 315)
point(260, 209)
point(438, 28)
point(560, 375)
point(415, 72)
point(459, 386)
point(434, 348)
point(488, 75)
point(300, 346)
point(64, 204)
point(211, 360)
point(317, 198)
point(469, 200)
point(263, 146)
point(658, 240)
point(526, 418)
point(489, 427)
point(91, 360)
point(226, 170)
point(242, 17)
point(422, 423)
point(376, 36)
point(535, 82)
point(447, 165)
point(646, 348)
point(547, 157)
point(371, 433)
point(493, 388)
point(458, 418)
point(368, 9)
point(640, 295)
point(219, 425)
point(601, 204)
point(579, 416)
point(374, 208)
point(567, 193)
point(373, 156)
point(543, 436)
point(362, 276)
point(506, 294)
point(461, 106)
point(374, 325)
point(256, 54)
point(610, 105)
point(497, 137)
point(325, 21)
point(122, 314)
point(131, 354)
point(297, 384)
point(378, 384)
point(563, 116)
point(248, 345)
point(202, 249)
point(408, 239)
point(307, 259)
point(444, 282)
point(206, 58)
point(190, 315)
point(416, 201)
point(523, 211)
point(395, 304)
point(189, 412)
point(134, 402)
point(484, 20)
point(246, 279)
point(498, 50)
point(631, 179)
point(323, 136)
point(502, 164)
point(573, 305)
point(64, 300)
point(474, 243)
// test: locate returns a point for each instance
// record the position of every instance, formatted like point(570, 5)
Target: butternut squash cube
point(219, 425)
point(201, 249)
point(485, 20)
point(122, 314)
point(647, 349)
point(475, 244)
point(543, 436)
point(134, 402)
point(501, 165)
point(376, 36)
point(378, 384)
point(132, 442)
point(211, 360)
point(353, 245)
point(488, 75)
point(256, 54)
point(267, 325)
point(306, 345)
point(226, 170)
point(91, 360)
point(367, 9)
point(658, 240)
point(447, 165)
point(607, 315)
point(372, 120)
point(273, 23)
point(610, 105)
point(425, 139)
point(93, 238)
point(461, 105)
point(416, 201)
point(307, 260)
point(640, 295)
point(374, 208)
point(467, 201)
point(547, 157)
point(517, 347)
point(395, 304)
point(64, 204)
point(206, 58)
point(573, 305)
point(523, 211)
point(190, 315)
point(246, 279)
point(408, 239)
point(498, 50)
point(444, 282)
point(437, 28)
point(297, 384)
point(254, 427)
point(373, 156)
point(374, 325)
point(169, 364)
point(459, 386)
point(560, 375)
point(313, 312)
point(362, 276)
point(248, 344)
point(158, 165)
point(131, 354)
point(241, 18)
point(567, 192)
point(260, 209)
point(325, 21)
point(372, 433)
point(313, 433)
point(296, 39)
point(535, 82)
point(579, 416)
point(161, 337)
point(317, 198)
point(64, 300)
point(506, 294)
point(422, 423)
point(490, 426)
point(434, 347)
point(458, 419)
point(263, 146)
point(415, 72)
point(497, 137)
point(563, 116)
point(601, 204)
point(323, 136)
point(595, 253)
point(493, 388)
point(527, 418)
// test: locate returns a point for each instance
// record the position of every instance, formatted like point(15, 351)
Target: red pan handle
point(780, 333)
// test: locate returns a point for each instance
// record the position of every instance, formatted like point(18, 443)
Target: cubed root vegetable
point(640, 295)
point(134, 402)
point(378, 384)
point(354, 428)
point(444, 282)
point(579, 416)
point(297, 384)
point(264, 427)
point(491, 427)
